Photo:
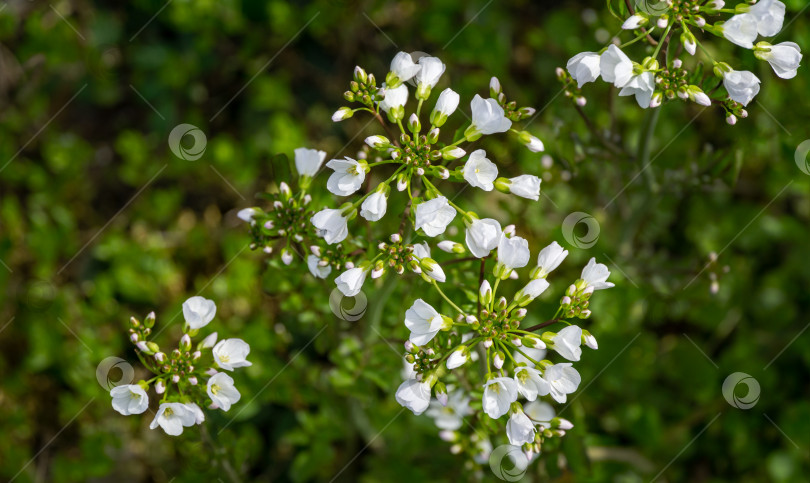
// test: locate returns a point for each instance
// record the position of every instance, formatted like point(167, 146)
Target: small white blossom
point(479, 171)
point(584, 67)
point(351, 281)
point(634, 22)
point(423, 321)
point(513, 252)
point(531, 291)
point(530, 383)
point(642, 86)
point(230, 354)
point(404, 67)
point(519, 429)
point(615, 66)
point(342, 114)
point(499, 394)
point(434, 215)
point(394, 98)
point(222, 391)
point(784, 57)
point(742, 86)
point(458, 358)
point(567, 343)
point(526, 186)
point(421, 250)
point(741, 29)
point(209, 341)
point(199, 415)
point(550, 258)
point(451, 416)
point(374, 207)
point(488, 117)
point(315, 268)
point(447, 102)
point(540, 412)
point(247, 214)
point(431, 70)
point(414, 395)
point(199, 311)
point(129, 399)
point(347, 178)
point(595, 275)
point(770, 15)
point(482, 236)
point(563, 379)
point(331, 225)
point(308, 161)
point(173, 417)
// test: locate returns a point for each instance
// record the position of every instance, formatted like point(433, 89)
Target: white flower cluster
point(440, 346)
point(178, 375)
point(653, 83)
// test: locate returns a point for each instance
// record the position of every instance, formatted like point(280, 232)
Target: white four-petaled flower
point(404, 67)
point(230, 354)
point(331, 225)
point(173, 417)
point(563, 379)
point(316, 269)
point(351, 281)
point(199, 311)
point(530, 383)
point(550, 258)
point(414, 395)
point(615, 66)
point(308, 161)
point(423, 321)
point(479, 171)
point(526, 186)
point(482, 236)
point(374, 207)
point(584, 67)
point(488, 116)
point(222, 391)
point(129, 399)
point(434, 215)
point(499, 394)
point(784, 57)
point(513, 252)
point(519, 429)
point(642, 86)
point(347, 178)
point(742, 86)
point(567, 342)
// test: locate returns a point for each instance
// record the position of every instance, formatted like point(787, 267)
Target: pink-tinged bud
point(565, 301)
point(267, 250)
point(185, 343)
point(175, 378)
point(677, 63)
point(409, 346)
point(160, 387)
point(509, 230)
point(315, 250)
point(134, 337)
point(196, 355)
point(471, 319)
point(192, 380)
point(269, 224)
point(160, 357)
point(211, 371)
point(487, 343)
point(142, 346)
point(731, 119)
point(447, 435)
point(498, 360)
point(700, 21)
point(395, 238)
point(349, 265)
point(581, 101)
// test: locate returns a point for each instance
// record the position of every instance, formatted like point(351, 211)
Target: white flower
point(770, 15)
point(317, 271)
point(499, 394)
point(642, 86)
point(199, 311)
point(374, 207)
point(447, 102)
point(531, 291)
point(421, 250)
point(595, 275)
point(414, 395)
point(433, 269)
point(615, 66)
point(209, 341)
point(451, 416)
point(488, 117)
point(567, 342)
point(230, 354)
point(222, 391)
point(480, 171)
point(432, 69)
point(351, 281)
point(404, 67)
point(563, 379)
point(308, 161)
point(540, 412)
point(741, 30)
point(742, 86)
point(129, 399)
point(519, 429)
point(394, 97)
point(530, 383)
point(550, 258)
point(247, 214)
point(784, 57)
point(434, 215)
point(483, 236)
point(347, 178)
point(458, 358)
point(172, 417)
point(584, 67)
point(513, 252)
point(199, 416)
point(331, 225)
point(634, 22)
point(423, 321)
point(526, 186)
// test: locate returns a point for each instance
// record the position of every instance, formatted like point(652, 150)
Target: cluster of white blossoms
point(489, 327)
point(654, 81)
point(183, 380)
point(411, 171)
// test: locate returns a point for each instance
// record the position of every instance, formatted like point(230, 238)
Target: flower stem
point(447, 299)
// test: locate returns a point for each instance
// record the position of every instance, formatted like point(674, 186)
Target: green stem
point(447, 299)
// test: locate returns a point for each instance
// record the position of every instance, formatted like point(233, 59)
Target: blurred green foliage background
point(99, 221)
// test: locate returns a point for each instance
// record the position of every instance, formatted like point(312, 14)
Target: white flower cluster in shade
point(652, 83)
point(515, 364)
point(178, 376)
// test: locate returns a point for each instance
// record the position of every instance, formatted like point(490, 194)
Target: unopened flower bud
point(342, 114)
point(441, 393)
point(192, 380)
point(498, 360)
point(160, 387)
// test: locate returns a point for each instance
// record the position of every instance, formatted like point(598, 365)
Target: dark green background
point(99, 221)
